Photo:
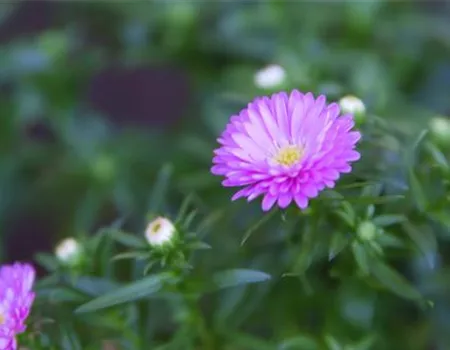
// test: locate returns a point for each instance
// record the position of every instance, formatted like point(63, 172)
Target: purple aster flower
point(286, 148)
point(16, 298)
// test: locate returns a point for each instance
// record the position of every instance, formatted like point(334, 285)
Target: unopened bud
point(270, 77)
point(367, 230)
point(440, 130)
point(160, 232)
point(353, 105)
point(69, 251)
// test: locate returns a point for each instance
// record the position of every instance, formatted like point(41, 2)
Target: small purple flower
point(16, 298)
point(286, 148)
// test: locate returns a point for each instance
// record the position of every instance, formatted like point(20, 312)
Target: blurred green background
point(96, 97)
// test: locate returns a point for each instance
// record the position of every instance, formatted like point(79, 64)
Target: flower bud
point(270, 77)
point(353, 105)
point(440, 130)
point(160, 232)
point(69, 252)
point(367, 230)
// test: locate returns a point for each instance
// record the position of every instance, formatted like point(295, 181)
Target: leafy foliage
point(365, 267)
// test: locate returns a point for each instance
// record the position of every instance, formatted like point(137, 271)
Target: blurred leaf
point(198, 246)
point(257, 225)
point(128, 239)
point(374, 200)
point(238, 277)
point(425, 240)
point(131, 292)
point(417, 191)
point(332, 343)
point(94, 286)
point(388, 240)
point(60, 294)
point(131, 255)
point(393, 281)
point(49, 262)
point(437, 155)
point(300, 342)
point(338, 243)
point(361, 257)
point(184, 209)
point(160, 189)
point(366, 343)
point(388, 220)
point(248, 342)
point(69, 339)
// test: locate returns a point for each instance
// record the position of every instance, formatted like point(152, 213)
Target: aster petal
point(301, 201)
point(268, 201)
point(284, 200)
point(239, 194)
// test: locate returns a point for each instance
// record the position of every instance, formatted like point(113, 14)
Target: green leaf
point(249, 342)
point(425, 240)
point(160, 189)
point(366, 343)
point(257, 225)
point(61, 295)
point(415, 147)
point(184, 209)
point(302, 342)
point(198, 246)
point(361, 257)
point(238, 277)
point(138, 255)
point(386, 239)
point(338, 243)
point(367, 200)
point(48, 261)
point(388, 220)
point(332, 343)
point(131, 292)
point(437, 155)
point(189, 219)
point(417, 191)
point(128, 239)
point(347, 214)
point(393, 281)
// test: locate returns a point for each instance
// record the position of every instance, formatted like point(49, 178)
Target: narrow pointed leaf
point(131, 255)
point(417, 191)
point(257, 225)
point(338, 243)
point(238, 277)
point(424, 239)
point(128, 239)
point(160, 189)
point(134, 291)
point(388, 220)
point(393, 281)
point(361, 257)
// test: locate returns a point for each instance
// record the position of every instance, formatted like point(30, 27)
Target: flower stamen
point(289, 155)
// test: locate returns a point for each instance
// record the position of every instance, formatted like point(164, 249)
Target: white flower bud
point(353, 105)
point(159, 232)
point(440, 130)
point(69, 251)
point(270, 77)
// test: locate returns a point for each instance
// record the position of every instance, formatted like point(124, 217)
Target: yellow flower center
point(288, 155)
point(2, 319)
point(155, 227)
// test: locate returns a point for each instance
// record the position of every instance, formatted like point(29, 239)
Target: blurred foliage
point(364, 268)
